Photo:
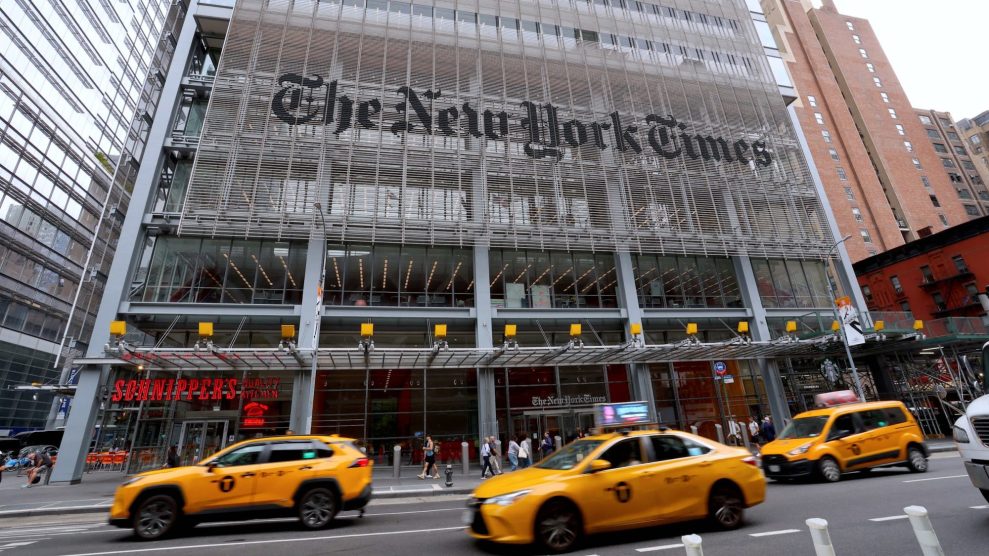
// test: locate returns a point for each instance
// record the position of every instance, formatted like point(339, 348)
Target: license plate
point(468, 517)
point(774, 469)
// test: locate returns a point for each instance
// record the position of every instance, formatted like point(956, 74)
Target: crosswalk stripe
point(889, 518)
point(661, 547)
point(771, 533)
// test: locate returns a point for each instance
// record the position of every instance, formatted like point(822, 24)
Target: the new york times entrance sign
point(538, 126)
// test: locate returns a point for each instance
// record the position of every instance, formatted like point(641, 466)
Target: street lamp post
point(319, 317)
point(841, 325)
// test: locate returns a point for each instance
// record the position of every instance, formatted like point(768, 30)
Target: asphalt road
point(865, 513)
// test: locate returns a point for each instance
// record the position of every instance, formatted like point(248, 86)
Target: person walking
point(768, 431)
point(495, 456)
point(172, 457)
point(525, 452)
point(547, 446)
point(513, 453)
point(429, 461)
point(754, 431)
point(486, 459)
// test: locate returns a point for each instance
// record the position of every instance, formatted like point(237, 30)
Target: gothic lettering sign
point(303, 100)
point(205, 388)
point(565, 401)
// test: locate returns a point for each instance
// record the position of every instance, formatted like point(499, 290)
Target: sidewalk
point(95, 493)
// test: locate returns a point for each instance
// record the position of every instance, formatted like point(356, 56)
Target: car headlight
point(801, 450)
point(507, 499)
point(960, 435)
point(131, 480)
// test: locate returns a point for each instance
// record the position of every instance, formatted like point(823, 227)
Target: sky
point(937, 48)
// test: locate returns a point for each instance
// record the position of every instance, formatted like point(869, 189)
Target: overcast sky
point(937, 47)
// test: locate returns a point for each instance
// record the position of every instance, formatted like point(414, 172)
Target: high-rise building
point(885, 182)
point(956, 161)
point(384, 218)
point(72, 77)
point(975, 132)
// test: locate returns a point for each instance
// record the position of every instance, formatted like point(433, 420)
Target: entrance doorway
point(563, 423)
point(200, 439)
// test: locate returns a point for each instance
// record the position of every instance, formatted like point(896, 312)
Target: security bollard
point(924, 531)
point(396, 470)
point(721, 432)
point(821, 537)
point(465, 457)
point(449, 475)
point(693, 429)
point(558, 441)
point(693, 545)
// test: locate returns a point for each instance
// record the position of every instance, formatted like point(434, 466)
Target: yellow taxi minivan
point(616, 481)
point(851, 437)
point(310, 477)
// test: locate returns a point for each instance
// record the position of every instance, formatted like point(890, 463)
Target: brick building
point(883, 179)
point(956, 161)
point(975, 133)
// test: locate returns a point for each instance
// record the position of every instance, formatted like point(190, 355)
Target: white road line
point(982, 507)
point(107, 506)
point(369, 514)
point(16, 544)
point(655, 548)
point(889, 518)
point(771, 533)
point(270, 541)
point(935, 478)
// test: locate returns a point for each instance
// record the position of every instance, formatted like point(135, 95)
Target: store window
point(542, 280)
point(686, 282)
point(791, 283)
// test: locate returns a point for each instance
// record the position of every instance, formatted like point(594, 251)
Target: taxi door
point(616, 497)
point(851, 448)
point(883, 441)
point(228, 484)
point(290, 463)
point(680, 477)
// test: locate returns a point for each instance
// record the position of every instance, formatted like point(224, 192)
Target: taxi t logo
point(856, 450)
point(623, 492)
point(226, 484)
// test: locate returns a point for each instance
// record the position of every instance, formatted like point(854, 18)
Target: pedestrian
point(486, 459)
point(547, 445)
point(754, 431)
point(513, 453)
point(525, 452)
point(495, 456)
point(172, 457)
point(39, 462)
point(768, 431)
point(429, 461)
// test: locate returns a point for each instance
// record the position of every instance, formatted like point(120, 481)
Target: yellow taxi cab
point(851, 437)
point(616, 481)
point(310, 477)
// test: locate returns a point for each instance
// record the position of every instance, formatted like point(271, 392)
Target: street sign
point(720, 367)
point(729, 379)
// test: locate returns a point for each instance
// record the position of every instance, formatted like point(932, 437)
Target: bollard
point(693, 545)
point(449, 475)
point(693, 429)
point(745, 437)
point(465, 457)
point(396, 470)
point(819, 534)
point(721, 432)
point(558, 442)
point(924, 531)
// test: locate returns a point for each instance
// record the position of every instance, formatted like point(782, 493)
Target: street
point(865, 513)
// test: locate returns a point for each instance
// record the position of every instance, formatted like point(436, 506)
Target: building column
point(487, 410)
point(639, 376)
point(85, 405)
point(768, 368)
point(310, 320)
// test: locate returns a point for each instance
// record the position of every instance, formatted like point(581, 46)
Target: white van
point(971, 434)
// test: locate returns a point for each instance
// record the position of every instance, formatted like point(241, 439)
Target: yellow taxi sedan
point(616, 481)
point(310, 477)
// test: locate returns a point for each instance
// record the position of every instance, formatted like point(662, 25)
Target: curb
point(942, 449)
point(419, 493)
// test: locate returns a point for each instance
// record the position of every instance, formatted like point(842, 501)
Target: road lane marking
point(771, 533)
point(889, 518)
point(661, 547)
point(935, 478)
point(16, 544)
point(271, 541)
point(982, 507)
point(369, 514)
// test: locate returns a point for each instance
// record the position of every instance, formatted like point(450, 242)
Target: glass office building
point(72, 78)
point(387, 218)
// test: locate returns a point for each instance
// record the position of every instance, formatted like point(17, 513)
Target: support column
point(81, 420)
point(310, 320)
point(768, 368)
point(639, 376)
point(487, 410)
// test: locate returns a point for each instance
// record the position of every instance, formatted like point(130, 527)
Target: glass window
point(571, 455)
point(841, 174)
point(245, 455)
point(292, 451)
point(857, 214)
point(909, 146)
point(895, 281)
point(960, 265)
point(892, 113)
point(900, 130)
point(844, 424)
point(812, 100)
point(939, 147)
point(944, 220)
point(927, 273)
point(849, 25)
point(856, 39)
point(925, 120)
point(848, 193)
point(925, 181)
point(916, 164)
point(870, 67)
point(863, 53)
point(895, 415)
point(667, 446)
point(819, 118)
point(833, 153)
point(877, 82)
point(874, 419)
point(865, 236)
point(624, 453)
point(885, 97)
point(827, 135)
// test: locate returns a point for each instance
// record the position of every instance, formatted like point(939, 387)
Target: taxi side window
point(843, 423)
point(695, 448)
point(246, 455)
point(623, 454)
point(895, 415)
point(667, 447)
point(292, 451)
point(874, 419)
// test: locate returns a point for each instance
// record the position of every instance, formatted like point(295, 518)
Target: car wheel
point(916, 460)
point(558, 526)
point(155, 517)
point(829, 470)
point(726, 509)
point(317, 508)
point(985, 493)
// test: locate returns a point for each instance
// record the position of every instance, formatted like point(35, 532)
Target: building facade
point(883, 178)
point(72, 78)
point(382, 219)
point(975, 132)
point(956, 160)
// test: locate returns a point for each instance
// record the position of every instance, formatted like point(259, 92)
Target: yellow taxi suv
point(310, 477)
point(852, 437)
point(616, 481)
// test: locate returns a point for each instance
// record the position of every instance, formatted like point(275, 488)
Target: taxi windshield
point(570, 455)
point(805, 427)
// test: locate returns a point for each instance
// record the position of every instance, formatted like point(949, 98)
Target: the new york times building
point(458, 219)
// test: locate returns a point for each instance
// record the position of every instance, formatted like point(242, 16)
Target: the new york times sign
point(539, 125)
